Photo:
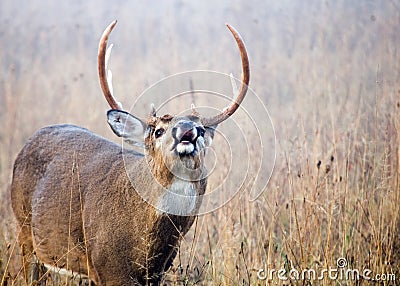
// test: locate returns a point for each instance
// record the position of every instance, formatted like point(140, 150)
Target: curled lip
point(186, 143)
point(188, 137)
point(192, 151)
point(186, 140)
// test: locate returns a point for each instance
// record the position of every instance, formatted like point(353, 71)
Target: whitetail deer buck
point(77, 208)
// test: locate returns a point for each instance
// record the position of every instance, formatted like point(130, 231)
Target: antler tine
point(105, 81)
point(228, 111)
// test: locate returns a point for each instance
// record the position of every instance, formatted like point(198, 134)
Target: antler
point(228, 111)
point(106, 86)
point(104, 73)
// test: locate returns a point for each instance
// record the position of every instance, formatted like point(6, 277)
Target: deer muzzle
point(186, 135)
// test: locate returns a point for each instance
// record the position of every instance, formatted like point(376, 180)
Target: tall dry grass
point(329, 74)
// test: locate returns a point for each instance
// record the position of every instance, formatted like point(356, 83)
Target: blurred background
point(328, 72)
point(318, 54)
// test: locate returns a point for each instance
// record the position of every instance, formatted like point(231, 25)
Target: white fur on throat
point(179, 199)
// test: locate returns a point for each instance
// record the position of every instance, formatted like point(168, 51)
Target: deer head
point(173, 145)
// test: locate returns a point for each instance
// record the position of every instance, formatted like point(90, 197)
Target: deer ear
point(127, 126)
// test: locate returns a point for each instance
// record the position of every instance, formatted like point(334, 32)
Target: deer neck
point(179, 184)
point(179, 199)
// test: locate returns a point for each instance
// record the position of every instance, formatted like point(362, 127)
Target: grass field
point(329, 74)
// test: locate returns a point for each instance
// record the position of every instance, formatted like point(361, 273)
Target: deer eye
point(159, 132)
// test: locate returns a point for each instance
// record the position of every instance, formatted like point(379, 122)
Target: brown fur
point(78, 210)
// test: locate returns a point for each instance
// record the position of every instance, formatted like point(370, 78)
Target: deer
point(80, 209)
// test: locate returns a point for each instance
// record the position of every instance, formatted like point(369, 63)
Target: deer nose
point(185, 131)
